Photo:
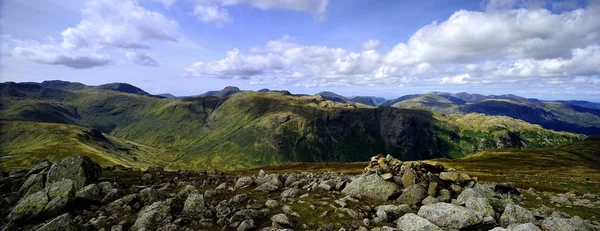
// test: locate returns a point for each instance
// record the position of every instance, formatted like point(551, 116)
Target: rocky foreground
point(77, 194)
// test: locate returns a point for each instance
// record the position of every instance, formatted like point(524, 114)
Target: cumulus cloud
point(122, 24)
point(370, 44)
point(470, 47)
point(213, 14)
point(141, 59)
point(459, 79)
point(106, 25)
point(54, 55)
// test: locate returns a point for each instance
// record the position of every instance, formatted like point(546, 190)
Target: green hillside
point(249, 129)
point(25, 143)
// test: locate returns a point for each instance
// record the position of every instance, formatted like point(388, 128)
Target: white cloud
point(515, 34)
point(141, 59)
point(53, 54)
point(122, 24)
point(459, 79)
point(371, 44)
point(212, 14)
point(528, 46)
point(106, 25)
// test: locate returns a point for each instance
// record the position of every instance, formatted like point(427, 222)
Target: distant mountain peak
point(123, 87)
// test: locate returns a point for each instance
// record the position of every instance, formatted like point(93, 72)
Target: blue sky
point(389, 48)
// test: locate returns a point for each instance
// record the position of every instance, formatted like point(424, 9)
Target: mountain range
point(122, 124)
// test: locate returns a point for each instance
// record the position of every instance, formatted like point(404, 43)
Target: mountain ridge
point(250, 129)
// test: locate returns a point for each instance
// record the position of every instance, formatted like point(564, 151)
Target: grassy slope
point(25, 143)
point(580, 159)
point(479, 132)
point(252, 129)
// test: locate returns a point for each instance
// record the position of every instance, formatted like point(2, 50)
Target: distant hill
point(249, 129)
point(123, 87)
point(226, 92)
point(167, 95)
point(560, 116)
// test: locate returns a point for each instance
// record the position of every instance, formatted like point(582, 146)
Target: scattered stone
point(291, 192)
point(267, 187)
point(515, 215)
point(451, 216)
point(246, 225)
point(281, 220)
point(412, 222)
point(243, 182)
point(271, 204)
point(371, 186)
point(481, 206)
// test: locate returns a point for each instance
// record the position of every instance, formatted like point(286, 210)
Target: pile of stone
point(431, 197)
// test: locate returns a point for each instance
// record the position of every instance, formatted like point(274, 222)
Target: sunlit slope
point(579, 159)
point(22, 144)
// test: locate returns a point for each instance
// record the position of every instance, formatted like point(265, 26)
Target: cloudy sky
point(389, 48)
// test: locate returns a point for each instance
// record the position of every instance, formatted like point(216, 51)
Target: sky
point(388, 48)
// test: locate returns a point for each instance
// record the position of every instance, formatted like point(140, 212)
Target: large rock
point(449, 216)
point(47, 202)
point(409, 177)
point(449, 176)
point(90, 193)
point(33, 184)
point(153, 216)
point(413, 195)
point(481, 206)
point(61, 223)
point(514, 215)
point(393, 212)
point(412, 222)
point(194, 205)
point(30, 207)
point(81, 170)
point(525, 227)
point(371, 186)
point(61, 194)
point(39, 167)
point(243, 181)
point(563, 224)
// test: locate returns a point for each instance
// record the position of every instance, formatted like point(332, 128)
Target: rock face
point(47, 202)
point(412, 222)
point(514, 215)
point(451, 216)
point(61, 223)
point(81, 170)
point(371, 186)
